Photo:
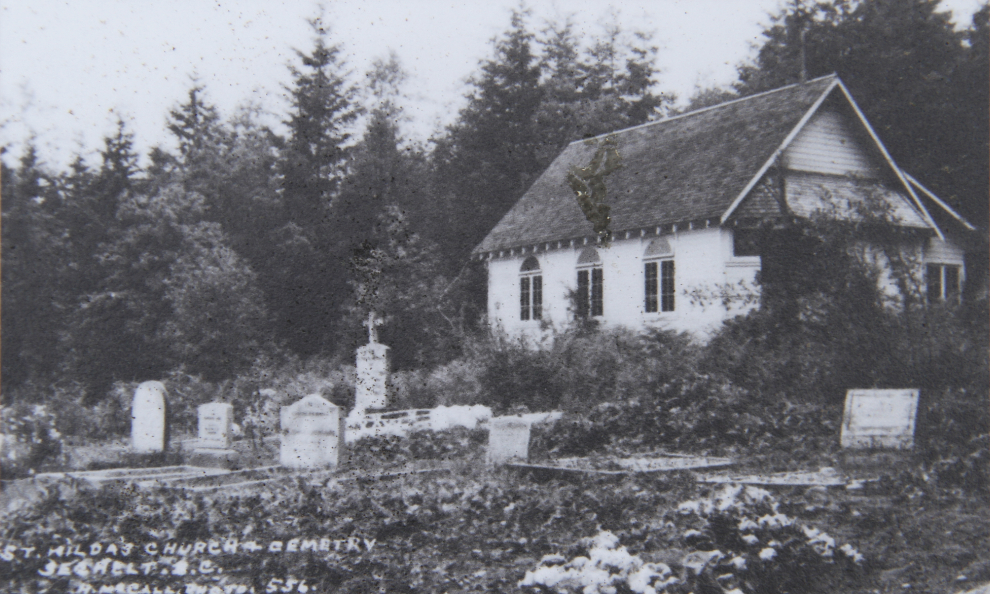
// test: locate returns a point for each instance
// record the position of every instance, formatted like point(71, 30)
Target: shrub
point(751, 546)
point(739, 542)
point(582, 367)
point(698, 413)
point(31, 440)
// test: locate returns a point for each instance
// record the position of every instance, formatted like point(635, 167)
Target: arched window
point(591, 285)
point(530, 290)
point(659, 273)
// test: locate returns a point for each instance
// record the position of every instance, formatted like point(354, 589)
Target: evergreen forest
point(243, 248)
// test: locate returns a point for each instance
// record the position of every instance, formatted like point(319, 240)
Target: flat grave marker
point(879, 419)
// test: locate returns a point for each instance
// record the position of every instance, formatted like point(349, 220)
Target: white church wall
point(704, 269)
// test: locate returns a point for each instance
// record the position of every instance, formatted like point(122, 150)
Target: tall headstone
point(373, 365)
point(216, 421)
point(508, 440)
point(312, 434)
point(148, 429)
point(879, 419)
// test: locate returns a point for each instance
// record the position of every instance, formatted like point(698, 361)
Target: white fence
point(403, 422)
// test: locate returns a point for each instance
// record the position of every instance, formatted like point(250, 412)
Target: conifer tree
point(30, 252)
point(488, 157)
point(309, 281)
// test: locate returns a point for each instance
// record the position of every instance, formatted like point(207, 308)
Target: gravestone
point(373, 365)
point(312, 434)
point(215, 423)
point(879, 419)
point(508, 439)
point(148, 424)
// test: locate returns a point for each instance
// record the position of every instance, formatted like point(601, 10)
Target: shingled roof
point(686, 168)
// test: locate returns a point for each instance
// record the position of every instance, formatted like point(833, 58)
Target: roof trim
point(890, 161)
point(701, 110)
point(783, 146)
point(939, 201)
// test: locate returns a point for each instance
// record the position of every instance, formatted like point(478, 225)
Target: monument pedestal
point(373, 364)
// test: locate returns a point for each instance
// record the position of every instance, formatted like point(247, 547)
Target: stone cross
point(372, 323)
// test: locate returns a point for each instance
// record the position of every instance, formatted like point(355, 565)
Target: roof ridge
point(704, 109)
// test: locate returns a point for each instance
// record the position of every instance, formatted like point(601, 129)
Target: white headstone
point(148, 418)
point(312, 434)
point(879, 419)
point(373, 363)
point(215, 425)
point(508, 439)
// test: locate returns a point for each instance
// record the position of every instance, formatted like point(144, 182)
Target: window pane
point(582, 294)
point(933, 277)
point(951, 282)
point(537, 297)
point(667, 285)
point(597, 307)
point(524, 298)
point(651, 287)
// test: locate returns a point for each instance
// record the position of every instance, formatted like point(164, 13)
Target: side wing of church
point(685, 205)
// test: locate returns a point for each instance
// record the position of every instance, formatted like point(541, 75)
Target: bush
point(750, 545)
point(699, 413)
point(581, 369)
point(31, 440)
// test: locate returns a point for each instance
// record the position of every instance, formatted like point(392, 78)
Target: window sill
point(743, 262)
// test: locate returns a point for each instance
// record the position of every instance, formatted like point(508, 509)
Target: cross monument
point(372, 323)
point(373, 366)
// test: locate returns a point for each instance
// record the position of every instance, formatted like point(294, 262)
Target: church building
point(684, 208)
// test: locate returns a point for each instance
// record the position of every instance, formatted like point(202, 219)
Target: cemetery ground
point(426, 513)
point(469, 528)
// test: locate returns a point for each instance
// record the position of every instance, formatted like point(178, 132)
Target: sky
point(69, 69)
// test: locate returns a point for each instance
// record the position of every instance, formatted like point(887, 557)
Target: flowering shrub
point(761, 549)
point(604, 569)
point(743, 544)
point(30, 439)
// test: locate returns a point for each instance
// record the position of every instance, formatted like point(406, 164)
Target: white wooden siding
point(827, 145)
point(943, 252)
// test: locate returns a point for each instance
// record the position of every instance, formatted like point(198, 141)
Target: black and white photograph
point(516, 296)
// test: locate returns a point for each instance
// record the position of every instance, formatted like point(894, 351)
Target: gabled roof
point(688, 167)
point(698, 166)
